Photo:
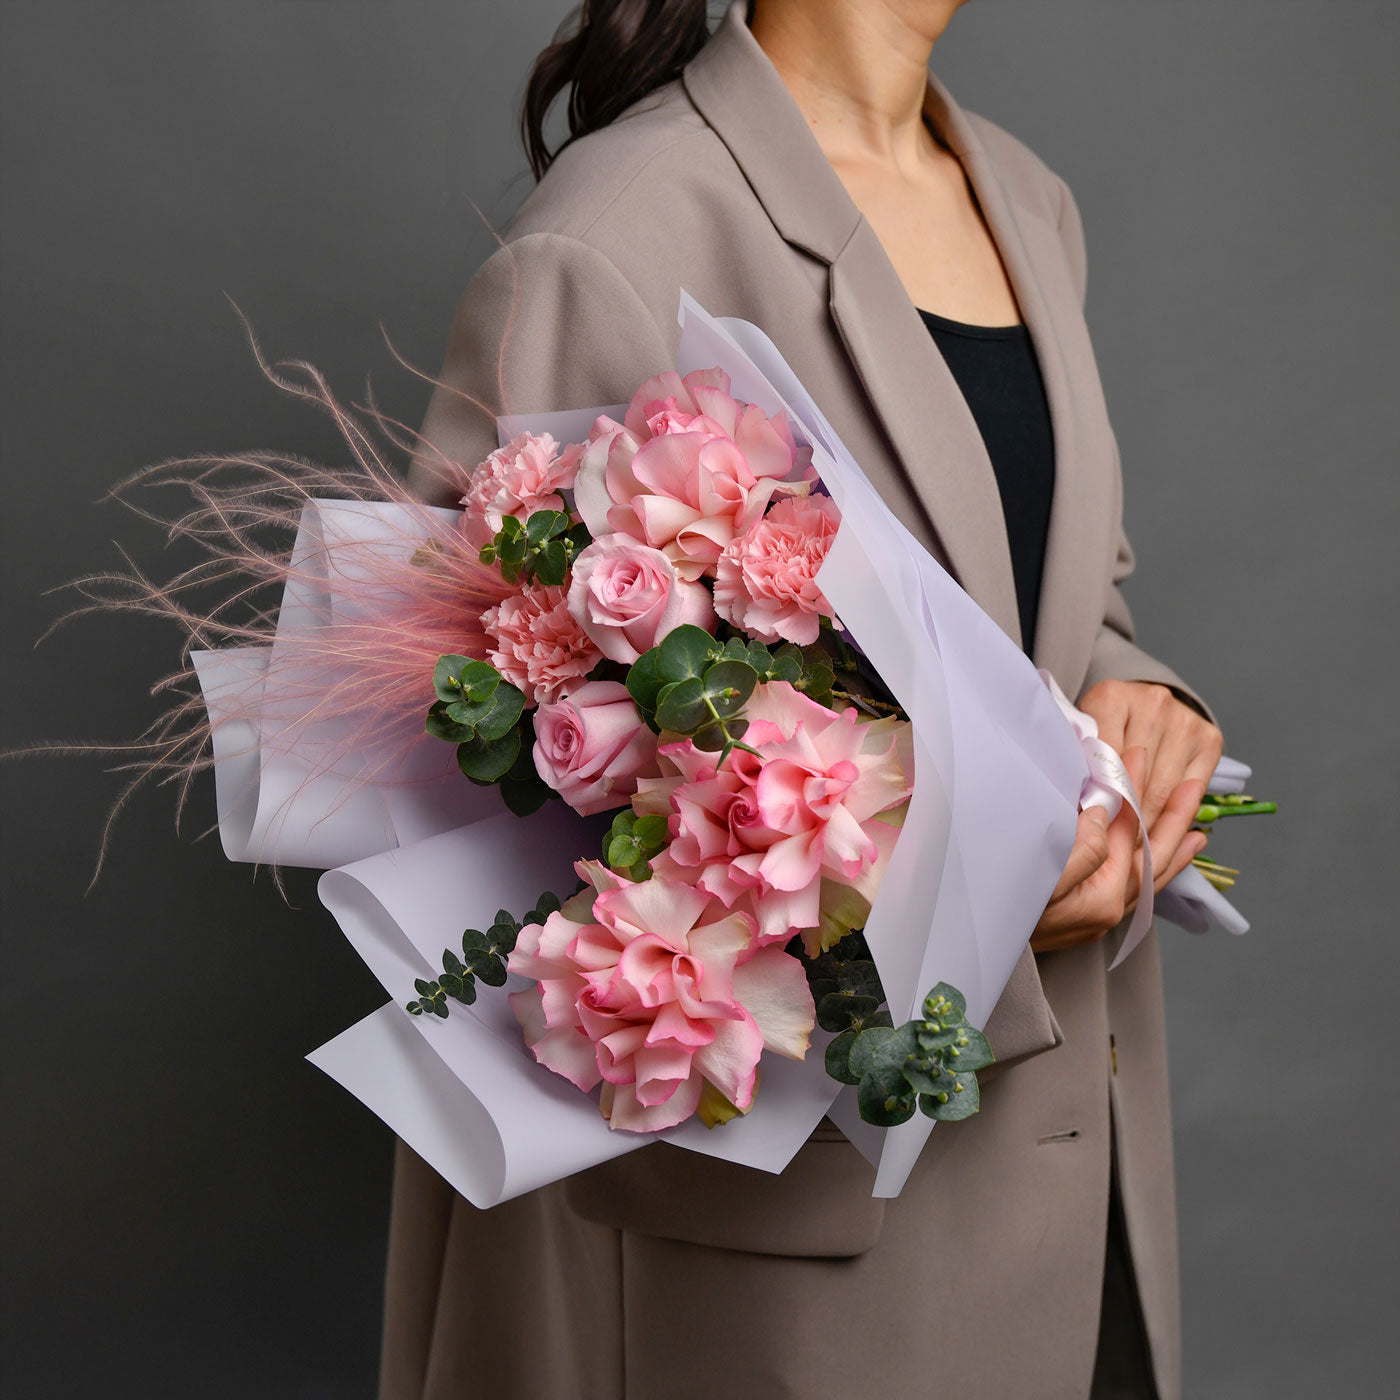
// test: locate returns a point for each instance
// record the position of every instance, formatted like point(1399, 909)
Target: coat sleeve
point(1116, 655)
point(546, 323)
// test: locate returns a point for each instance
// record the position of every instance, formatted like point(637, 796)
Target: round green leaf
point(493, 974)
point(711, 738)
point(927, 1076)
point(651, 832)
point(623, 852)
point(441, 727)
point(961, 1103)
point(837, 1011)
point(948, 993)
point(838, 1058)
point(863, 1051)
point(544, 525)
point(486, 760)
point(728, 684)
point(552, 563)
point(644, 682)
point(881, 1107)
point(446, 676)
point(501, 712)
point(685, 652)
point(681, 707)
point(861, 978)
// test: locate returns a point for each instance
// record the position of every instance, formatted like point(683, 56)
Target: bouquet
point(776, 805)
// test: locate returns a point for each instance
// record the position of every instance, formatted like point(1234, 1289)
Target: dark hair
point(618, 52)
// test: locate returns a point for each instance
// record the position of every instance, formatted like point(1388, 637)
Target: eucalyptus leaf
point(447, 676)
point(960, 1102)
point(544, 525)
point(486, 760)
point(927, 1076)
point(493, 974)
point(786, 668)
point(501, 713)
point(525, 795)
point(882, 1108)
point(836, 1011)
point(864, 1050)
point(552, 563)
point(681, 707)
point(685, 653)
point(728, 685)
point(713, 737)
point(441, 727)
point(861, 978)
point(946, 992)
point(478, 679)
point(651, 831)
point(512, 550)
point(976, 1054)
point(623, 852)
point(838, 1058)
point(644, 682)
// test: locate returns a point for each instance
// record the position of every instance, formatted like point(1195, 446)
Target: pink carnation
point(592, 747)
point(766, 581)
point(524, 476)
point(689, 468)
point(763, 830)
point(653, 995)
point(537, 645)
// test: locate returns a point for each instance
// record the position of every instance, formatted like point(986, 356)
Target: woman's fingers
point(1189, 849)
point(1170, 830)
point(1179, 743)
point(1089, 853)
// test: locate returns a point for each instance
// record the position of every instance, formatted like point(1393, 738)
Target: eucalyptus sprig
point(695, 684)
point(485, 716)
point(479, 711)
point(632, 841)
point(542, 549)
point(930, 1062)
point(483, 959)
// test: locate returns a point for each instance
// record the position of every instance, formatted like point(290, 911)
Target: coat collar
point(939, 448)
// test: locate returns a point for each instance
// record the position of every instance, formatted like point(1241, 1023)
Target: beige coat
point(667, 1276)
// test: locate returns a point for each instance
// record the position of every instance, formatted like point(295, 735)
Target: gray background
point(195, 1211)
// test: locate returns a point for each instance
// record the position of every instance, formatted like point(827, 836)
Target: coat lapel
point(1084, 503)
point(941, 471)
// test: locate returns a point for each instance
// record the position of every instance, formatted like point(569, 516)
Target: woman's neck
point(858, 69)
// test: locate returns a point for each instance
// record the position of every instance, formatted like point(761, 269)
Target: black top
point(996, 369)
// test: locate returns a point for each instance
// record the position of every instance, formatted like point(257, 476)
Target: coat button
point(1113, 1051)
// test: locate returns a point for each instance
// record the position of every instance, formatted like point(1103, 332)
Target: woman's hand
point(1103, 875)
point(1181, 747)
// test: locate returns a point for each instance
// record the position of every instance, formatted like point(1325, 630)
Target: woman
point(923, 273)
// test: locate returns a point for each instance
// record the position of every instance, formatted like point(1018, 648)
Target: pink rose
point(628, 596)
point(764, 830)
point(689, 468)
point(537, 645)
point(766, 580)
point(524, 476)
point(655, 996)
point(592, 747)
